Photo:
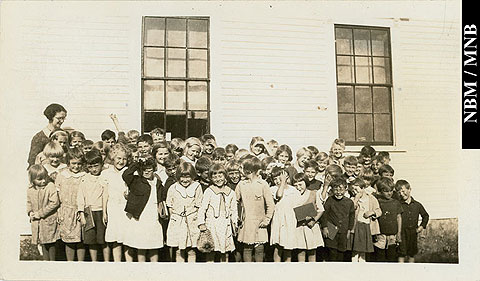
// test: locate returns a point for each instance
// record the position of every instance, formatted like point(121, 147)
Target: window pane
point(176, 123)
point(197, 63)
point(176, 32)
point(197, 123)
point(155, 31)
point(363, 70)
point(154, 62)
point(380, 43)
point(383, 127)
point(343, 41)
point(345, 98)
point(363, 100)
point(381, 100)
point(152, 120)
point(362, 42)
point(364, 129)
point(176, 95)
point(381, 70)
point(153, 95)
point(344, 69)
point(197, 96)
point(346, 126)
point(176, 59)
point(197, 33)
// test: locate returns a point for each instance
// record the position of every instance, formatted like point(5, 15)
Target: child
point(258, 207)
point(108, 137)
point(67, 184)
point(368, 179)
point(267, 164)
point(284, 155)
point(340, 214)
point(160, 152)
point(183, 200)
point(58, 136)
point(272, 146)
point(158, 135)
point(219, 156)
point(366, 155)
point(54, 155)
point(376, 164)
point(42, 205)
point(103, 148)
point(331, 172)
point(230, 150)
point(359, 169)
point(308, 233)
point(218, 213)
point(242, 152)
point(208, 144)
point(336, 152)
point(412, 209)
point(303, 155)
point(311, 168)
point(322, 163)
point(233, 178)
point(144, 145)
point(144, 231)
point(177, 146)
point(132, 137)
point(349, 166)
point(115, 201)
point(193, 149)
point(87, 145)
point(76, 139)
point(257, 147)
point(366, 210)
point(91, 195)
point(390, 223)
point(386, 171)
point(202, 167)
point(313, 151)
point(384, 157)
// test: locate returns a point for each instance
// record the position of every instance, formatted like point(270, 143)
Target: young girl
point(218, 213)
point(322, 162)
point(144, 231)
point(54, 156)
point(177, 145)
point(183, 200)
point(104, 149)
point(284, 155)
point(309, 237)
point(366, 210)
point(257, 147)
point(67, 183)
point(76, 139)
point(303, 155)
point(115, 202)
point(336, 152)
point(42, 205)
point(144, 146)
point(233, 178)
point(193, 149)
point(160, 152)
point(230, 150)
point(258, 208)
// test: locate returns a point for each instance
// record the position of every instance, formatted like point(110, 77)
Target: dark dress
point(39, 141)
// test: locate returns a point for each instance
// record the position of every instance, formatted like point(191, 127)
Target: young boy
point(92, 193)
point(384, 157)
point(203, 166)
point(209, 144)
point(412, 209)
point(322, 162)
point(219, 156)
point(230, 150)
point(311, 168)
point(109, 137)
point(339, 216)
point(158, 135)
point(144, 146)
point(385, 249)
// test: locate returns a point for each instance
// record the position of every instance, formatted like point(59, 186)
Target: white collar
point(67, 174)
point(189, 191)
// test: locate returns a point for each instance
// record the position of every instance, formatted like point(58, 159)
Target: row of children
point(141, 198)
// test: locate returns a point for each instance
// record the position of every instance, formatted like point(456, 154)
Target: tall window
point(364, 84)
point(175, 75)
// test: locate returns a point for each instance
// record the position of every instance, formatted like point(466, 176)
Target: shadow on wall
point(437, 244)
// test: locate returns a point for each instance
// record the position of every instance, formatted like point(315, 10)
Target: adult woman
point(55, 114)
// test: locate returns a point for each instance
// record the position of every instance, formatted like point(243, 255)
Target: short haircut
point(340, 142)
point(266, 161)
point(218, 153)
point(360, 182)
point(276, 171)
point(252, 165)
point(59, 133)
point(177, 145)
point(74, 153)
point(368, 151)
point(157, 131)
point(284, 148)
point(87, 142)
point(368, 175)
point(203, 164)
point(217, 168)
point(53, 149)
point(334, 170)
point(93, 157)
point(232, 165)
point(383, 154)
point(302, 152)
point(310, 164)
point(313, 150)
point(146, 163)
point(385, 169)
point(272, 141)
point(52, 109)
point(108, 134)
point(77, 134)
point(338, 181)
point(37, 171)
point(298, 178)
point(101, 146)
point(254, 140)
point(204, 138)
point(192, 141)
point(242, 152)
point(231, 148)
point(321, 156)
point(185, 168)
point(350, 160)
point(145, 138)
point(172, 160)
point(384, 184)
point(157, 146)
point(133, 134)
point(402, 183)
point(117, 149)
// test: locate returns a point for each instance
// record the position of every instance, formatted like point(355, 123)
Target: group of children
point(141, 198)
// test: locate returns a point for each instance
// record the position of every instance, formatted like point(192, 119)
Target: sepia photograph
point(254, 139)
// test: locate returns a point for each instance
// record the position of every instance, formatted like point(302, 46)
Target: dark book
point(304, 211)
point(332, 230)
point(89, 219)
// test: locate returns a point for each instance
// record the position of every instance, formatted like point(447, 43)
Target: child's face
point(76, 142)
point(161, 155)
point(302, 160)
point(204, 176)
point(310, 173)
point(75, 165)
point(209, 146)
point(95, 168)
point(257, 149)
point(405, 193)
point(339, 191)
point(144, 148)
point(387, 194)
point(62, 141)
point(110, 142)
point(387, 175)
point(229, 156)
point(218, 179)
point(220, 160)
point(87, 148)
point(359, 169)
point(234, 176)
point(54, 160)
point(322, 165)
point(157, 138)
point(367, 160)
point(132, 140)
point(119, 161)
point(40, 181)
point(350, 169)
point(273, 148)
point(283, 157)
point(185, 180)
point(356, 189)
point(193, 152)
point(300, 186)
point(376, 165)
point(337, 150)
point(135, 156)
point(148, 173)
point(170, 170)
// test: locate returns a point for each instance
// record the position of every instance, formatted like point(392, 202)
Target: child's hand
point(398, 237)
point(105, 218)
point(325, 232)
point(113, 117)
point(36, 215)
point(420, 229)
point(311, 223)
point(202, 227)
point(283, 177)
point(31, 216)
point(125, 195)
point(83, 222)
point(368, 214)
point(263, 224)
point(348, 234)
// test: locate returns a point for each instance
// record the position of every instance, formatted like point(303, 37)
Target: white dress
point(117, 218)
point(146, 232)
point(309, 238)
point(284, 224)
